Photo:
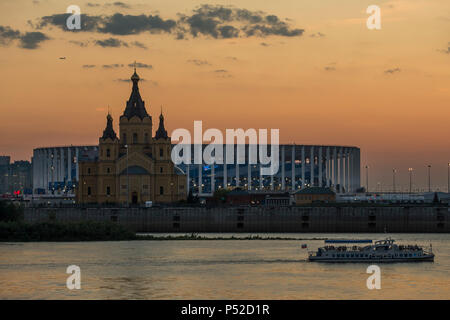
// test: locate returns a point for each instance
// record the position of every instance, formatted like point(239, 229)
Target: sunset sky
point(310, 68)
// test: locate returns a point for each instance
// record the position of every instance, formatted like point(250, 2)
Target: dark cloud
point(446, 51)
point(198, 62)
point(79, 43)
point(214, 21)
point(117, 24)
point(391, 71)
point(31, 40)
point(222, 73)
point(139, 45)
point(317, 35)
point(329, 68)
point(112, 66)
point(27, 40)
point(264, 44)
point(7, 35)
point(88, 66)
point(111, 43)
point(121, 5)
point(141, 65)
point(89, 4)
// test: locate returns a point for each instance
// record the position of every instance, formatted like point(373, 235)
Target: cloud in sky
point(199, 62)
point(111, 42)
point(209, 21)
point(317, 35)
point(446, 51)
point(141, 65)
point(391, 71)
point(112, 66)
point(27, 40)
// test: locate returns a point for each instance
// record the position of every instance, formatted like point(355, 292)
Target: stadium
point(55, 170)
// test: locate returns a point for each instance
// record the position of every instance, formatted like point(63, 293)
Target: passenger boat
point(381, 251)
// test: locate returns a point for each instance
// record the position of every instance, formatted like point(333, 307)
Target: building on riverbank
point(134, 167)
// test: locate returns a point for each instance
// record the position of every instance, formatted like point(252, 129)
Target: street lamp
point(410, 179)
point(128, 181)
point(429, 178)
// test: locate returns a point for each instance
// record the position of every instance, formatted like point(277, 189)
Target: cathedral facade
point(135, 167)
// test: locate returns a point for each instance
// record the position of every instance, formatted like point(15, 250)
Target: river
point(215, 269)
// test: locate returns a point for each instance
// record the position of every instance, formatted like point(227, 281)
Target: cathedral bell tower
point(135, 123)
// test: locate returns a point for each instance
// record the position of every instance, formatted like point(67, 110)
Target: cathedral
point(134, 167)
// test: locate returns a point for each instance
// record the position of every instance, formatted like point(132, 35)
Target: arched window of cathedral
point(89, 191)
point(135, 138)
point(146, 137)
point(108, 190)
point(161, 152)
point(89, 170)
point(124, 138)
point(161, 190)
point(108, 153)
point(161, 169)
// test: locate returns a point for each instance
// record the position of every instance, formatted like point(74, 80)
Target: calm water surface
point(215, 269)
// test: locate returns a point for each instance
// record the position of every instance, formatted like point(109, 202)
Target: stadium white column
point(293, 168)
point(46, 164)
point(311, 162)
point(303, 166)
point(261, 184)
point(69, 164)
point(320, 166)
point(249, 175)
point(271, 181)
point(188, 182)
point(348, 172)
point(55, 173)
point(335, 169)
point(225, 173)
point(328, 166)
point(63, 165)
point(345, 171)
point(200, 178)
point(77, 167)
point(341, 169)
point(213, 177)
point(283, 173)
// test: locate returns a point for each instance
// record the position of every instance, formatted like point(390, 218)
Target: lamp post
point(367, 178)
point(429, 178)
point(393, 179)
point(128, 181)
point(410, 179)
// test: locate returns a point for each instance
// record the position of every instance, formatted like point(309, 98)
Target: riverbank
point(337, 219)
point(19, 231)
point(100, 231)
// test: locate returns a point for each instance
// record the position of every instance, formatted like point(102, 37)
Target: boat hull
point(427, 258)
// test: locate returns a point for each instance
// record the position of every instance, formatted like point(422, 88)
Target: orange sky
point(329, 89)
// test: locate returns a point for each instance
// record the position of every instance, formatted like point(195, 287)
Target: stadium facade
point(55, 170)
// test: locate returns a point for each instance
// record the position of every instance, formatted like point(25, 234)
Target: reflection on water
point(215, 269)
